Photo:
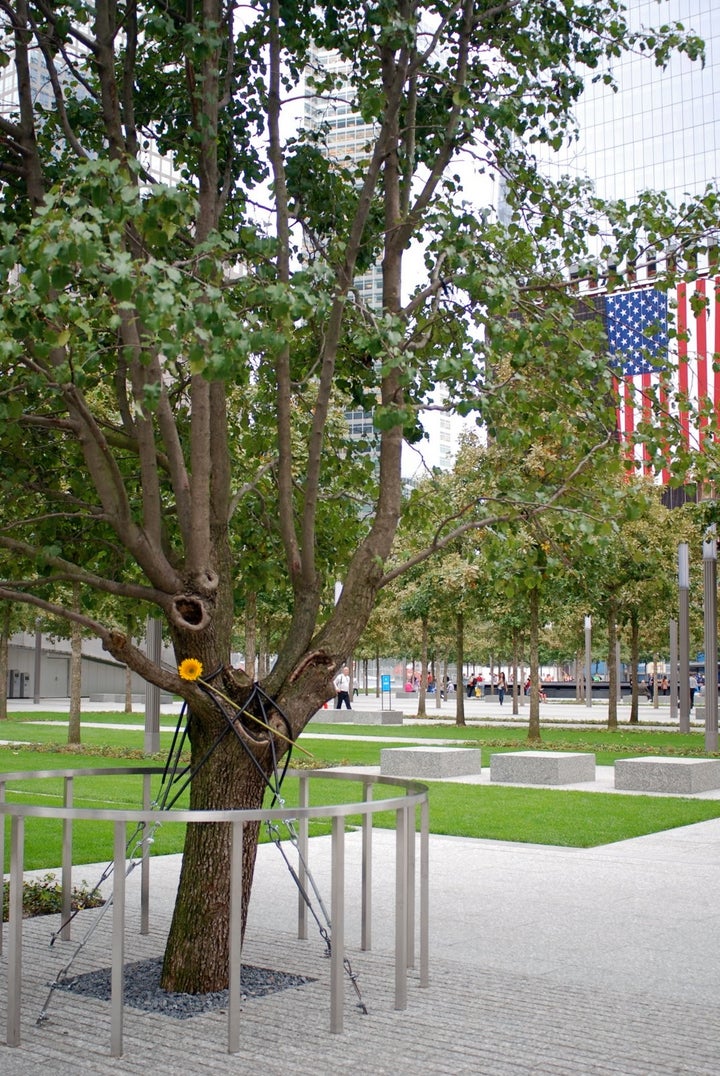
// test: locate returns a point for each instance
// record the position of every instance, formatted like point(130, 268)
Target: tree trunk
point(635, 659)
point(460, 648)
point(612, 666)
point(534, 722)
point(202, 909)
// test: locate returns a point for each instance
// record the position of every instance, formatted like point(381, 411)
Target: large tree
point(175, 355)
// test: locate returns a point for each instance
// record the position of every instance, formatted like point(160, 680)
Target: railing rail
point(412, 796)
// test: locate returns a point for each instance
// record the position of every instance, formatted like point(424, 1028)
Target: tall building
point(661, 129)
point(346, 137)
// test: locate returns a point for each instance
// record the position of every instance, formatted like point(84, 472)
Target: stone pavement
point(543, 960)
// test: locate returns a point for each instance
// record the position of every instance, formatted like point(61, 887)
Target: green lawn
point(540, 816)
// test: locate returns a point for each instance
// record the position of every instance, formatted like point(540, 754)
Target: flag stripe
point(638, 326)
point(682, 327)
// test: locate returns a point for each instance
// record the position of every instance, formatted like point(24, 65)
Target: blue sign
point(385, 683)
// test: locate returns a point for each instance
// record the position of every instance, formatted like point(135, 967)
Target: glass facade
point(661, 129)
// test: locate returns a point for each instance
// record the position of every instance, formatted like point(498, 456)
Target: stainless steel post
point(410, 838)
point(37, 665)
point(588, 661)
point(117, 970)
point(153, 648)
point(401, 898)
point(303, 848)
point(337, 933)
point(145, 864)
point(235, 939)
point(15, 921)
point(366, 879)
point(424, 894)
point(711, 645)
point(66, 872)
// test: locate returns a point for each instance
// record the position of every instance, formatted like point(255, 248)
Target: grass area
point(541, 816)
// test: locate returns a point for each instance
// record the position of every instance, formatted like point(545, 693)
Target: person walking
point(342, 687)
point(693, 685)
point(501, 687)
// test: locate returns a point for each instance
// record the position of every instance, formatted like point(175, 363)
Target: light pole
point(588, 661)
point(711, 648)
point(684, 630)
point(37, 667)
point(153, 649)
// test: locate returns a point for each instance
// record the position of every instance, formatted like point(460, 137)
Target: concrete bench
point(359, 717)
point(542, 767)
point(677, 775)
point(429, 762)
point(165, 699)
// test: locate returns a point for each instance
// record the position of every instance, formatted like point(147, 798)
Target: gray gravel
point(143, 990)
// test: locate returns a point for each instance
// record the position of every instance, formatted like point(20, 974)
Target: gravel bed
point(143, 990)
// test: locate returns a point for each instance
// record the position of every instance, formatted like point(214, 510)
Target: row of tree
point(176, 360)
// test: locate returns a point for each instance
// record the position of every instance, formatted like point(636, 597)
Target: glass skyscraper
point(661, 129)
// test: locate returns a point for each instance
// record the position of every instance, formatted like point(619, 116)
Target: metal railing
point(412, 795)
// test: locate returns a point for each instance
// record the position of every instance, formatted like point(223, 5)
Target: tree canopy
point(182, 326)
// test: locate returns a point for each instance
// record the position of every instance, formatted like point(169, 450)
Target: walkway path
point(543, 960)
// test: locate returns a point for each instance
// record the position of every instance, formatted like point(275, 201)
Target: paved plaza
point(542, 960)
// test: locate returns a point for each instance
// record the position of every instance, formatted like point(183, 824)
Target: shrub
point(43, 896)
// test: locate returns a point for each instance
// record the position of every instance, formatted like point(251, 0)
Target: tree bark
point(635, 659)
point(201, 916)
point(460, 651)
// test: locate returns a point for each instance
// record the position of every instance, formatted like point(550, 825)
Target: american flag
point(658, 367)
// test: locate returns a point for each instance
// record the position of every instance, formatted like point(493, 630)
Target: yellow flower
point(190, 669)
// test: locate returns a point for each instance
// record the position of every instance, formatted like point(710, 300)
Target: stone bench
point(676, 775)
point(359, 717)
point(542, 767)
point(429, 762)
point(165, 699)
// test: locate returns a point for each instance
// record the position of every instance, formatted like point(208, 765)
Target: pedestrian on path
point(501, 686)
point(342, 687)
point(693, 688)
